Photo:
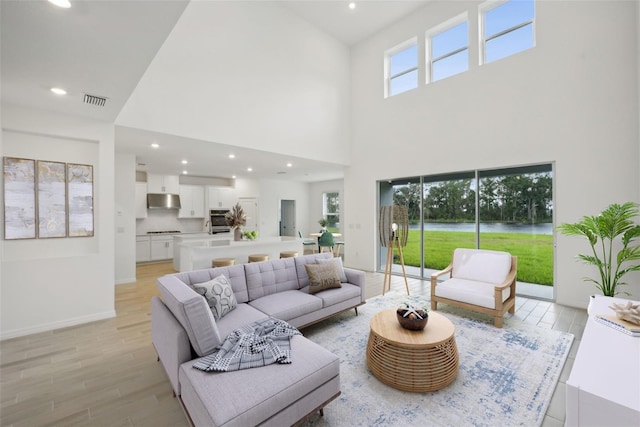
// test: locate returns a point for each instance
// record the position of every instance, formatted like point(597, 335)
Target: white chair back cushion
point(481, 265)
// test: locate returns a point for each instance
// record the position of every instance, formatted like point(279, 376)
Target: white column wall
point(125, 218)
point(572, 100)
point(47, 284)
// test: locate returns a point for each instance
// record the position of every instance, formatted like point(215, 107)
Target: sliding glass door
point(507, 209)
point(449, 218)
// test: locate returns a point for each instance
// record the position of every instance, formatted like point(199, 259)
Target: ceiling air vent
point(94, 100)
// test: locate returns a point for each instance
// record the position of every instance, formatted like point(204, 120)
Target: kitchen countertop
point(194, 254)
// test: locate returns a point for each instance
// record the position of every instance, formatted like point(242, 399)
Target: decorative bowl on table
point(412, 318)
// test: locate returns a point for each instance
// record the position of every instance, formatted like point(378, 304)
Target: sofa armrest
point(434, 276)
point(170, 341)
point(509, 281)
point(356, 277)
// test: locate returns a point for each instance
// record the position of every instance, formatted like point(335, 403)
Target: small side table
point(416, 361)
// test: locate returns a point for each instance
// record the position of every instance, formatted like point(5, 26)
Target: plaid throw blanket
point(260, 343)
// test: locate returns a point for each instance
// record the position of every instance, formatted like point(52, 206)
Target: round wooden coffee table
point(417, 361)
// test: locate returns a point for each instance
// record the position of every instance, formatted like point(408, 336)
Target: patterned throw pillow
point(338, 263)
point(219, 295)
point(322, 276)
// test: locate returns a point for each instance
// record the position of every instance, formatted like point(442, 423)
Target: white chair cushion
point(481, 265)
point(470, 291)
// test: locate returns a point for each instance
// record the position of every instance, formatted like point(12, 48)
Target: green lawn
point(534, 252)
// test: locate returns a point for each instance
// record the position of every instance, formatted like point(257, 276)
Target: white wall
point(251, 74)
point(125, 214)
point(572, 100)
point(52, 283)
point(269, 192)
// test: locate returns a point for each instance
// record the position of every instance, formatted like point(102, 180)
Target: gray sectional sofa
point(184, 330)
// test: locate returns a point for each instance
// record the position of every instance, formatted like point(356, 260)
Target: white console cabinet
point(603, 388)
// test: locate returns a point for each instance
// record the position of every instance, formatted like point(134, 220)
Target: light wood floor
point(105, 373)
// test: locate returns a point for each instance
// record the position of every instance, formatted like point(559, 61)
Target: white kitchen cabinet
point(165, 184)
point(221, 197)
point(599, 395)
point(141, 200)
point(161, 248)
point(192, 201)
point(143, 249)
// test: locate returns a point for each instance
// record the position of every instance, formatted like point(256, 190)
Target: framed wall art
point(52, 199)
point(80, 199)
point(19, 198)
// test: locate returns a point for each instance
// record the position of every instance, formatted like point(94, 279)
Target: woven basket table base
point(416, 361)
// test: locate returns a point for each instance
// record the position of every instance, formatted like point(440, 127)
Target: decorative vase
point(412, 324)
point(237, 234)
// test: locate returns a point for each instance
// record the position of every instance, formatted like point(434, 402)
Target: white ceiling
point(104, 47)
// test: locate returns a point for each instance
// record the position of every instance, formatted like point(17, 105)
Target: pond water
point(492, 227)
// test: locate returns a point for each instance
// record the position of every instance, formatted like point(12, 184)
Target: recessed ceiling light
point(184, 162)
point(155, 145)
point(352, 5)
point(58, 91)
point(233, 177)
point(249, 169)
point(185, 172)
point(232, 156)
point(66, 4)
point(289, 164)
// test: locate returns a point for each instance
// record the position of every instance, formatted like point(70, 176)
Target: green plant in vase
point(614, 226)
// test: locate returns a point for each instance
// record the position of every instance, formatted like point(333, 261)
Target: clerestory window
point(448, 49)
point(401, 68)
point(506, 28)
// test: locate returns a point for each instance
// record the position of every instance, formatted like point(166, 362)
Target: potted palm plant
point(605, 232)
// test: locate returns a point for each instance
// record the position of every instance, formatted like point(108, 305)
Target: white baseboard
point(125, 281)
point(5, 335)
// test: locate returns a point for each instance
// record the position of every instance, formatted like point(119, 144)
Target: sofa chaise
point(184, 330)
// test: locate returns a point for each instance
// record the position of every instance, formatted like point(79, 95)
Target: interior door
point(288, 218)
point(250, 208)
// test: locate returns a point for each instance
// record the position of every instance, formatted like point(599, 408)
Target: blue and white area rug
point(506, 376)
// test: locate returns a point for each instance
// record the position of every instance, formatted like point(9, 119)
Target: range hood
point(163, 201)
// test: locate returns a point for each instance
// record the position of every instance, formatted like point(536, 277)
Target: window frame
point(325, 211)
point(482, 12)
point(437, 30)
point(388, 54)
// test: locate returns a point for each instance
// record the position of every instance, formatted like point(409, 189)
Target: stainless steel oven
point(217, 223)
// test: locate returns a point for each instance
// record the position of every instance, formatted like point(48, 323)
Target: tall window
point(331, 209)
point(448, 49)
point(506, 28)
point(401, 68)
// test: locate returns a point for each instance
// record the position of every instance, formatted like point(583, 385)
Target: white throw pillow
point(337, 261)
point(219, 295)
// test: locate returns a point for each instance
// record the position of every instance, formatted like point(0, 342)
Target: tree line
point(509, 198)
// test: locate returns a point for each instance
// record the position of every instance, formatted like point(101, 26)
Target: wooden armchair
point(479, 280)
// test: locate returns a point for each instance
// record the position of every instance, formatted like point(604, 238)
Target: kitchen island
point(194, 237)
point(196, 254)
